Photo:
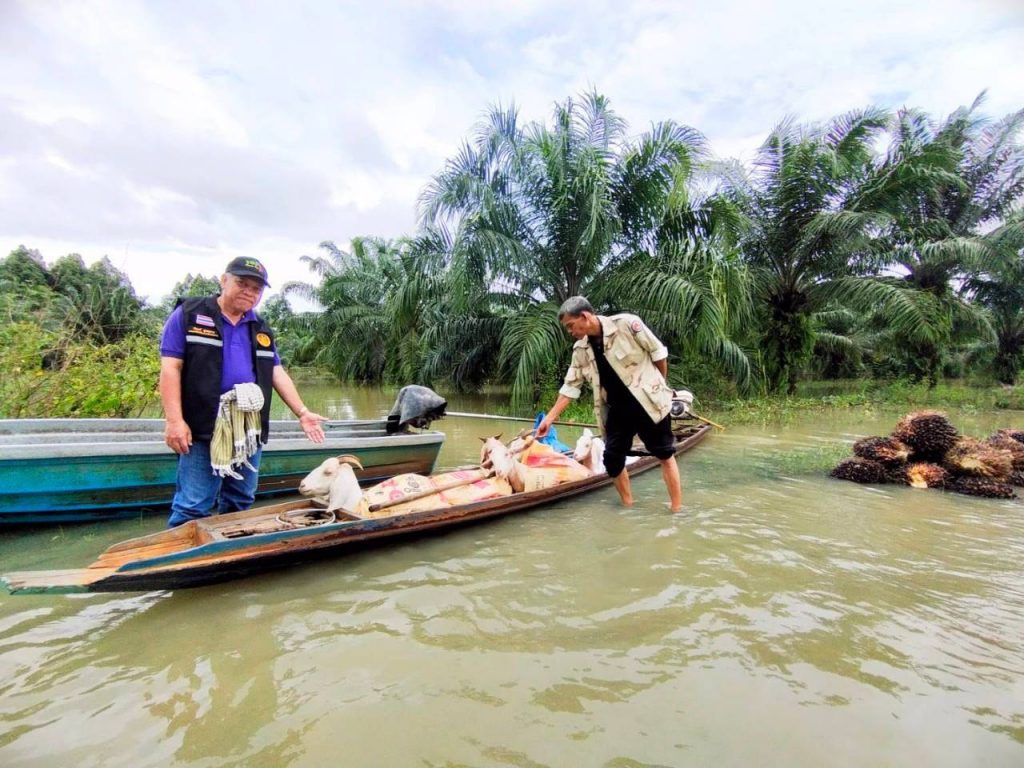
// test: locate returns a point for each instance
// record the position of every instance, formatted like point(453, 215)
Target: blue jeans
point(197, 489)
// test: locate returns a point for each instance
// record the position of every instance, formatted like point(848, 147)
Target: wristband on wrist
point(303, 412)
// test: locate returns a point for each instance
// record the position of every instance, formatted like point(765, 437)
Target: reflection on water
point(786, 619)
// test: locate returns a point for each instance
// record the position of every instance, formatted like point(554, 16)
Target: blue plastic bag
point(551, 438)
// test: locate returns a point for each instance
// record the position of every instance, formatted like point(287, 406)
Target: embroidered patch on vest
point(263, 339)
point(204, 320)
point(635, 326)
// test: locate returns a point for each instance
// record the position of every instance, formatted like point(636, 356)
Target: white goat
point(540, 466)
point(335, 485)
point(590, 452)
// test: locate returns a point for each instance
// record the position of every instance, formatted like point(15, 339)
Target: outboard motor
point(415, 406)
point(682, 402)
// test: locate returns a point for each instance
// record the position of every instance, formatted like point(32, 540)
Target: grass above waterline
point(866, 396)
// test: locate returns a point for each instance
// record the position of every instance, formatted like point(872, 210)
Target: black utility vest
point(204, 364)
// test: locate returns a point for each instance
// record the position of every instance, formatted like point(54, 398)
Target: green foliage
point(191, 285)
point(104, 307)
point(49, 374)
point(23, 269)
point(378, 301)
point(74, 341)
point(865, 395)
point(804, 227)
point(893, 238)
point(1000, 289)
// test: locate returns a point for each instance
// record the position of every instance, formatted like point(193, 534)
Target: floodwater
point(785, 619)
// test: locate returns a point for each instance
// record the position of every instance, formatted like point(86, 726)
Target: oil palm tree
point(1000, 289)
point(818, 205)
point(374, 300)
point(968, 172)
point(539, 214)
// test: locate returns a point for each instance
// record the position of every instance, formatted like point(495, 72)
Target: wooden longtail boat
point(243, 543)
point(73, 470)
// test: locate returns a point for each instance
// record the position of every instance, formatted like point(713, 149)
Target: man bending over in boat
point(215, 353)
point(626, 366)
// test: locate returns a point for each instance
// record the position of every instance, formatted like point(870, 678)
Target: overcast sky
point(171, 136)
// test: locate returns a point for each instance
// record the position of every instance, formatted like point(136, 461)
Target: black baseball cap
point(246, 266)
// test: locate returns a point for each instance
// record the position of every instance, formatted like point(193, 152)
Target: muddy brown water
point(784, 619)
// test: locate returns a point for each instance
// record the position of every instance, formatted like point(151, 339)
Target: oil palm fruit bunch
point(928, 433)
point(1003, 441)
point(923, 474)
point(1013, 434)
point(974, 458)
point(982, 486)
point(860, 470)
point(884, 450)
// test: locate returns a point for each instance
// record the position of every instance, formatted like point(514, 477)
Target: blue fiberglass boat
point(69, 470)
point(75, 470)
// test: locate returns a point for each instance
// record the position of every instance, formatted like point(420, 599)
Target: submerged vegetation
point(872, 261)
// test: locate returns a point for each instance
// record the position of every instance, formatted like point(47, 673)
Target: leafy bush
point(50, 375)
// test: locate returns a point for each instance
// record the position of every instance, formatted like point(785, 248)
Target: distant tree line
point(874, 245)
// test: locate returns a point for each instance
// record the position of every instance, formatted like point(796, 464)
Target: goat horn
point(348, 458)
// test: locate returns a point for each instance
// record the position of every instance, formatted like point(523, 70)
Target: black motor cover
point(415, 406)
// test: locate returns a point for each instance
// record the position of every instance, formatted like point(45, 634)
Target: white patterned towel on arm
point(236, 434)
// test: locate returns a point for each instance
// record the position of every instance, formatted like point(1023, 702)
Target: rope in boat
point(236, 434)
point(304, 518)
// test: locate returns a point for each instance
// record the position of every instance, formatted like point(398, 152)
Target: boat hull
point(76, 470)
point(222, 547)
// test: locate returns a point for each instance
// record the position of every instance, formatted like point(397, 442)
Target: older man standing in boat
point(213, 347)
point(626, 366)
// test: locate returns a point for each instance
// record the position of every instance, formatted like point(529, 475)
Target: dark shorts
point(626, 423)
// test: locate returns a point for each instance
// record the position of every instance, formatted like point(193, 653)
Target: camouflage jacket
point(631, 349)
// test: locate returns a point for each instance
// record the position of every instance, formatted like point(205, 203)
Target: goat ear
point(483, 439)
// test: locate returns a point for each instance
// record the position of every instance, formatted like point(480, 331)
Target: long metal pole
point(517, 418)
point(558, 423)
